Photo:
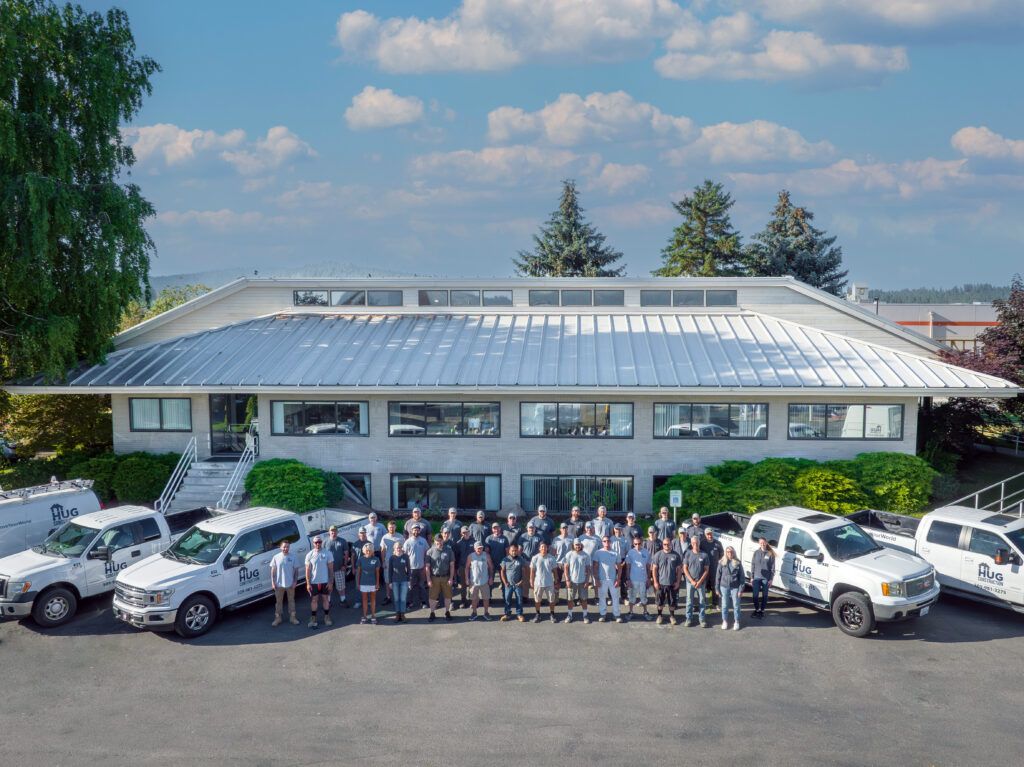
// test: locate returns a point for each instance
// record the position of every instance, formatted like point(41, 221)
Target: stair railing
point(186, 460)
point(245, 460)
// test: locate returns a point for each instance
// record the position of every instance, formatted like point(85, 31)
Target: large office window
point(299, 419)
point(696, 420)
point(433, 297)
point(687, 297)
point(497, 298)
point(561, 493)
point(444, 419)
point(576, 419)
point(609, 297)
point(543, 298)
point(159, 414)
point(384, 297)
point(442, 491)
point(838, 421)
point(348, 298)
point(310, 297)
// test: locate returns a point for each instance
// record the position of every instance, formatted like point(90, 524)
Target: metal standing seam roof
point(731, 350)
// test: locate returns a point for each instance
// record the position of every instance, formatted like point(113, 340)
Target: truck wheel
point(54, 607)
point(195, 617)
point(852, 614)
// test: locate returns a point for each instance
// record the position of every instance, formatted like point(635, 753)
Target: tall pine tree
point(704, 244)
point(568, 245)
point(791, 245)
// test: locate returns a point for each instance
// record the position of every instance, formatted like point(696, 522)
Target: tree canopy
point(568, 245)
point(73, 250)
point(704, 244)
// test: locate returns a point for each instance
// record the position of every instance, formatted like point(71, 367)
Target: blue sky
point(431, 137)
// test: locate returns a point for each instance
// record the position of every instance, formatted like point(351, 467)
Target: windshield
point(847, 541)
point(70, 540)
point(1017, 539)
point(198, 546)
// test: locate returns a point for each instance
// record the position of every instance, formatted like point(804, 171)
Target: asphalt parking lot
point(789, 690)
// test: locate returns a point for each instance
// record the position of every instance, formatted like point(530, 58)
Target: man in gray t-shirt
point(577, 575)
point(542, 579)
point(666, 569)
point(607, 570)
point(452, 525)
point(416, 548)
point(696, 567)
point(479, 530)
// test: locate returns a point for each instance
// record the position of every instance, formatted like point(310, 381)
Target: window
point(150, 530)
point(442, 491)
point(465, 298)
point(357, 487)
point(384, 297)
point(945, 534)
point(609, 298)
point(561, 493)
point(278, 532)
point(303, 419)
point(497, 298)
point(699, 420)
point(846, 421)
point(117, 538)
point(433, 298)
point(655, 298)
point(247, 547)
point(576, 419)
point(348, 298)
point(720, 298)
point(577, 298)
point(543, 298)
point(687, 298)
point(309, 297)
point(444, 419)
point(160, 414)
point(984, 542)
point(799, 542)
point(770, 531)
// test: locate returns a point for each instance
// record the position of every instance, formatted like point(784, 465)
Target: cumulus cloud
point(750, 142)
point(502, 165)
point(615, 178)
point(279, 146)
point(174, 145)
point(382, 108)
point(900, 14)
point(223, 220)
point(982, 142)
point(637, 214)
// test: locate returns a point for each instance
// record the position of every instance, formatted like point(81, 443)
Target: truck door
point(123, 550)
point(152, 540)
point(982, 574)
point(941, 548)
point(799, 574)
point(246, 568)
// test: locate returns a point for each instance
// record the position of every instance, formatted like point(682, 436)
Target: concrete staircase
point(204, 485)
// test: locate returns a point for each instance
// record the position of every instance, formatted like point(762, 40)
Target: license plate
point(924, 610)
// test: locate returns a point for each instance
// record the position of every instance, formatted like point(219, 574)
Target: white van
point(30, 514)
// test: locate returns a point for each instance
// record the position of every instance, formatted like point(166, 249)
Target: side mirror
point(100, 552)
point(1002, 556)
point(233, 561)
point(814, 554)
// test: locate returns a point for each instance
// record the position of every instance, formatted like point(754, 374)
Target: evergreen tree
point(568, 245)
point(790, 245)
point(704, 244)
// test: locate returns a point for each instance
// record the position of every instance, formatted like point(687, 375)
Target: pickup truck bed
point(727, 522)
point(886, 521)
point(182, 521)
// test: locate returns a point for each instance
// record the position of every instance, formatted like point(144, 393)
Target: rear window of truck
point(771, 531)
point(944, 534)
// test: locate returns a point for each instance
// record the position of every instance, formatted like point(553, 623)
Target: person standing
point(452, 525)
point(497, 547)
point(730, 584)
point(607, 571)
point(338, 548)
point(664, 526)
point(631, 529)
point(762, 571)
point(696, 570)
point(416, 548)
point(284, 574)
point(375, 531)
point(576, 523)
point(513, 569)
point(361, 540)
point(397, 569)
point(542, 578)
point(512, 531)
point(715, 552)
point(319, 575)
point(440, 576)
point(578, 572)
point(529, 543)
point(387, 548)
point(479, 575)
point(666, 571)
point(652, 543)
point(417, 520)
point(478, 529)
point(560, 549)
point(621, 547)
point(602, 525)
point(591, 543)
point(542, 525)
point(637, 564)
point(368, 577)
point(695, 528)
point(463, 548)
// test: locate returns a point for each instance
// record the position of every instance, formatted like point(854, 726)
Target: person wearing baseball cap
point(578, 573)
point(511, 529)
point(543, 525)
point(337, 547)
point(560, 548)
point(591, 542)
point(631, 529)
point(479, 574)
point(319, 574)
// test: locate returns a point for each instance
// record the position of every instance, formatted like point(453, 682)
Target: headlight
point(160, 597)
point(894, 589)
point(18, 587)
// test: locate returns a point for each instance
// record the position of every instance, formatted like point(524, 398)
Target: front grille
point(919, 586)
point(3, 587)
point(130, 595)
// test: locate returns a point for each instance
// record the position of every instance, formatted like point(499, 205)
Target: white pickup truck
point(81, 559)
point(977, 554)
point(219, 564)
point(829, 563)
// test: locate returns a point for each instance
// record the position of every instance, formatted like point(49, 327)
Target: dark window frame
point(462, 419)
point(392, 490)
point(864, 424)
point(160, 409)
point(303, 434)
point(326, 292)
point(632, 487)
point(767, 421)
point(558, 405)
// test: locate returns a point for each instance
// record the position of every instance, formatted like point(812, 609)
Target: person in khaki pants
point(284, 572)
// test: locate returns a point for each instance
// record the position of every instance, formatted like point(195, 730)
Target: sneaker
point(520, 618)
point(688, 624)
point(312, 623)
point(725, 626)
point(503, 618)
point(603, 619)
point(373, 621)
point(703, 624)
point(328, 621)
point(568, 618)
point(363, 619)
point(673, 620)
point(472, 616)
point(447, 616)
point(553, 618)
point(586, 619)
point(736, 627)
point(294, 621)
point(277, 621)
point(661, 620)
point(536, 618)
point(487, 617)
point(620, 619)
point(432, 618)
point(647, 617)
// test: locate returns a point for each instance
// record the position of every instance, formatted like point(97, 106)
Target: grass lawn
point(983, 470)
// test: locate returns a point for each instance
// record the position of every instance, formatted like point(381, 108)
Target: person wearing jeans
point(762, 570)
point(513, 568)
point(729, 585)
point(696, 567)
point(398, 577)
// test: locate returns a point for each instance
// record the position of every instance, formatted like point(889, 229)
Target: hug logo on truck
point(245, 574)
point(986, 573)
point(113, 568)
point(60, 514)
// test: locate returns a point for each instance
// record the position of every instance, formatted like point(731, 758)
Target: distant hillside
point(217, 277)
point(961, 294)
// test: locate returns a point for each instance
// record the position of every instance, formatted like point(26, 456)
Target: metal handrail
point(187, 457)
point(1003, 502)
point(247, 457)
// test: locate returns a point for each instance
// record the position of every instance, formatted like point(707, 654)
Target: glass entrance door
point(230, 416)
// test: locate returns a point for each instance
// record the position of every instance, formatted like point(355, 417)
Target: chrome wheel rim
point(56, 608)
point(196, 617)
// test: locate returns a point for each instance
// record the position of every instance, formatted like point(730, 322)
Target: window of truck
point(1017, 539)
point(116, 538)
point(984, 542)
point(944, 534)
point(247, 547)
point(280, 531)
point(799, 541)
point(771, 531)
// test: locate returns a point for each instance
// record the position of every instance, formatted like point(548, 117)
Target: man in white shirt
point(591, 543)
point(607, 569)
point(602, 525)
point(577, 578)
point(319, 581)
point(542, 578)
point(560, 548)
point(284, 572)
point(375, 531)
point(479, 574)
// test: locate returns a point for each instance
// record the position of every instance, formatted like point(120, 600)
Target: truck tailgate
point(894, 530)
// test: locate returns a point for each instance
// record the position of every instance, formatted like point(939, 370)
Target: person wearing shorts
point(479, 574)
point(578, 573)
point(440, 569)
point(560, 549)
point(398, 577)
point(542, 578)
point(368, 578)
point(637, 564)
point(387, 548)
point(338, 548)
point(666, 571)
point(319, 580)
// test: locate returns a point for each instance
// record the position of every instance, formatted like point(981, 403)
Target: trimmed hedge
point(285, 483)
point(140, 479)
point(828, 490)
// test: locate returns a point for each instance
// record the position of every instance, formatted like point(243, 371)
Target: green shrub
point(285, 483)
point(101, 471)
point(768, 484)
point(27, 472)
point(829, 491)
point(140, 478)
point(701, 494)
point(729, 471)
point(334, 491)
point(895, 481)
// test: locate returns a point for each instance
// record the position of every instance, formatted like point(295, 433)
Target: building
point(492, 393)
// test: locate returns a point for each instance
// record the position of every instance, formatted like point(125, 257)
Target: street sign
point(675, 498)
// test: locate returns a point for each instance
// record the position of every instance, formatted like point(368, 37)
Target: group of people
point(416, 568)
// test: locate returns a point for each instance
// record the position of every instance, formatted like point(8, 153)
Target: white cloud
point(382, 108)
point(615, 178)
point(224, 220)
point(503, 165)
point(755, 141)
point(278, 147)
point(903, 14)
point(572, 119)
point(176, 145)
point(985, 143)
point(636, 214)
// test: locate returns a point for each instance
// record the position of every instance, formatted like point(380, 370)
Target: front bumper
point(901, 608)
point(12, 610)
point(145, 618)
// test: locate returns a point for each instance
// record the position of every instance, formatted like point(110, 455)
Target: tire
point(853, 615)
point(54, 607)
point(195, 617)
